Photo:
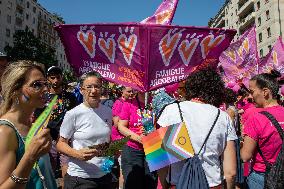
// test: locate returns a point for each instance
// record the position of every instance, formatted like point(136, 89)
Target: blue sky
point(189, 12)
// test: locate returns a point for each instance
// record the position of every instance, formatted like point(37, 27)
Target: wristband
point(18, 180)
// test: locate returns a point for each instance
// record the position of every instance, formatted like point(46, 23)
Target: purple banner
point(141, 56)
point(164, 14)
point(274, 59)
point(240, 60)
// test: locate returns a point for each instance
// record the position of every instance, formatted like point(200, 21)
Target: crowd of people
point(229, 133)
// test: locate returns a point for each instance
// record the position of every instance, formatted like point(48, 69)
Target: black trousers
point(104, 182)
point(135, 170)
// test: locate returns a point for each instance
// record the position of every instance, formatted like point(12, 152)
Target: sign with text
point(145, 57)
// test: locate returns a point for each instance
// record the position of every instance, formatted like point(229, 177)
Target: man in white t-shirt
point(86, 125)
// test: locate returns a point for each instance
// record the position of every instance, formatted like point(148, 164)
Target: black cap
point(54, 70)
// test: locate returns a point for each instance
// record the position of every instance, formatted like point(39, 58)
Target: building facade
point(20, 14)
point(266, 15)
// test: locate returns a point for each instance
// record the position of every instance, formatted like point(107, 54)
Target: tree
point(69, 76)
point(28, 47)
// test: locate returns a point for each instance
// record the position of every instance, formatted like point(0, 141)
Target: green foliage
point(28, 47)
point(69, 76)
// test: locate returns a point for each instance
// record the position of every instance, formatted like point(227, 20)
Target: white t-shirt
point(199, 118)
point(85, 127)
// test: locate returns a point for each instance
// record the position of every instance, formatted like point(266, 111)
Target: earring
point(17, 101)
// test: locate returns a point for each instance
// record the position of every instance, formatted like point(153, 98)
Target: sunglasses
point(39, 85)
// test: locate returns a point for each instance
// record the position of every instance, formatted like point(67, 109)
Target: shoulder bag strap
point(209, 132)
point(278, 128)
point(180, 111)
point(274, 122)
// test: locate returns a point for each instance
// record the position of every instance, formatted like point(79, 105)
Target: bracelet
point(18, 180)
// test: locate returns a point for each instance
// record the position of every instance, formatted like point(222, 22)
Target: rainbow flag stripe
point(156, 156)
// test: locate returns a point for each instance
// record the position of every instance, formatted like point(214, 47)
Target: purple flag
point(164, 14)
point(240, 59)
point(274, 59)
point(145, 57)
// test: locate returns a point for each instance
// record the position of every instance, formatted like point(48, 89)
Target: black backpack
point(192, 174)
point(274, 174)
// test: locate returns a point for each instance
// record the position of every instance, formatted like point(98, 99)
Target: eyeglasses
point(39, 85)
point(90, 87)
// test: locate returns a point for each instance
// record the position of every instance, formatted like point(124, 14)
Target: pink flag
point(164, 14)
point(274, 59)
point(240, 59)
point(142, 56)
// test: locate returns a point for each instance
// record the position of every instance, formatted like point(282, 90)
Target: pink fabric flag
point(164, 14)
point(274, 59)
point(240, 59)
point(142, 56)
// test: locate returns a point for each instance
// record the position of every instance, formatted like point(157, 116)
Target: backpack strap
point(278, 128)
point(180, 111)
point(211, 129)
point(275, 123)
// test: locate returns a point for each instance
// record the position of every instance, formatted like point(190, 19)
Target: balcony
point(247, 21)
point(245, 6)
point(19, 16)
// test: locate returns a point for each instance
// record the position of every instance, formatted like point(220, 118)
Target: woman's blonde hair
point(13, 79)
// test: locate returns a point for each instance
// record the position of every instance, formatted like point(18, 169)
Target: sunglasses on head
point(39, 85)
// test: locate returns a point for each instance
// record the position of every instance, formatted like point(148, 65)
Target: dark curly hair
point(230, 96)
point(207, 85)
point(268, 80)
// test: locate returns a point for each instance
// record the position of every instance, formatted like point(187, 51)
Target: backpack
point(274, 174)
point(192, 174)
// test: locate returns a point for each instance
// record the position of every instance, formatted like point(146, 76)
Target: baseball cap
point(54, 70)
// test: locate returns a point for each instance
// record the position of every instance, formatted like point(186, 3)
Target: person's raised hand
point(40, 145)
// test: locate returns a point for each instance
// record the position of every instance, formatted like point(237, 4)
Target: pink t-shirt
point(259, 128)
point(116, 109)
point(131, 112)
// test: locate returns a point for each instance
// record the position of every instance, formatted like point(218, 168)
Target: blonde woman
point(23, 87)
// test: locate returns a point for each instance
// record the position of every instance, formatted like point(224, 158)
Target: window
point(267, 15)
point(268, 32)
point(9, 6)
point(261, 53)
point(266, 1)
point(259, 21)
point(8, 32)
point(27, 16)
point(34, 20)
point(28, 4)
point(260, 37)
point(34, 9)
point(9, 19)
point(269, 48)
point(257, 5)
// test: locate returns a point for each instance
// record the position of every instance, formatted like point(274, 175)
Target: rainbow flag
point(41, 122)
point(163, 147)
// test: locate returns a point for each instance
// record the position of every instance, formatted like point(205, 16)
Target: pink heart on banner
point(127, 46)
point(88, 40)
point(108, 47)
point(210, 42)
point(186, 50)
point(168, 45)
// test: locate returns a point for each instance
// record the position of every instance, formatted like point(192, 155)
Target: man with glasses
point(84, 134)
